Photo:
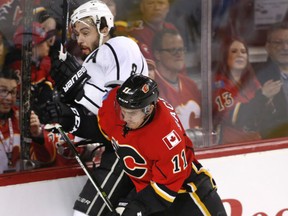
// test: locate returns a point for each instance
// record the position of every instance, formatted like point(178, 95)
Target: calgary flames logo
point(5, 5)
point(10, 10)
point(145, 88)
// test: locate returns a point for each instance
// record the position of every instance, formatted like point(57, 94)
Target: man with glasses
point(175, 86)
point(41, 79)
point(276, 68)
point(9, 122)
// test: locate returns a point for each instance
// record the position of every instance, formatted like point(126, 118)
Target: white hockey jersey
point(115, 60)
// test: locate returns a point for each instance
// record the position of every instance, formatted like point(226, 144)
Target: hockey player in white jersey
point(111, 60)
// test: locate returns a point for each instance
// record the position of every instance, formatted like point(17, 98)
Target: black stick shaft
point(84, 167)
point(65, 22)
point(25, 90)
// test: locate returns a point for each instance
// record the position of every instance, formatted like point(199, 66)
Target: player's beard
point(94, 47)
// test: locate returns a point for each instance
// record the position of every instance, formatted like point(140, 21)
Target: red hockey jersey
point(10, 142)
point(227, 99)
point(158, 154)
point(144, 33)
point(54, 151)
point(186, 100)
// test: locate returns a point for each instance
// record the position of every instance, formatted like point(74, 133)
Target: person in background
point(9, 122)
point(47, 22)
point(41, 80)
point(275, 69)
point(238, 96)
point(153, 19)
point(49, 148)
point(176, 87)
point(168, 178)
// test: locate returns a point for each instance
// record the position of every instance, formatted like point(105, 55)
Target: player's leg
point(111, 177)
point(202, 199)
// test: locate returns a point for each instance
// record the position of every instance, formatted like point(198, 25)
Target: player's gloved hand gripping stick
point(103, 195)
point(68, 74)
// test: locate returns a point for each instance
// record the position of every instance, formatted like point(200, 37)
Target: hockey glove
point(69, 77)
point(58, 112)
point(41, 92)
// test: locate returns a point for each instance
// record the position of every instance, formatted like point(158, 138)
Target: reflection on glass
point(250, 20)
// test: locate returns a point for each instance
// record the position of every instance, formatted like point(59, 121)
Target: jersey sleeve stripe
point(88, 99)
point(100, 89)
point(116, 60)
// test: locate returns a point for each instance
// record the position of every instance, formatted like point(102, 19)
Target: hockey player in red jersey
point(110, 60)
point(150, 140)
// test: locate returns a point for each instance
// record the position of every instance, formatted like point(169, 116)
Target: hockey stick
point(101, 192)
point(65, 26)
point(25, 90)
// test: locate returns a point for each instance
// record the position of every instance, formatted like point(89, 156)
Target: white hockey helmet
point(94, 9)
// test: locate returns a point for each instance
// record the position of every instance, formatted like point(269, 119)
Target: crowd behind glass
point(249, 53)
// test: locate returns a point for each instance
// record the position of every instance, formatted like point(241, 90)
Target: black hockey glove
point(41, 92)
point(58, 112)
point(69, 77)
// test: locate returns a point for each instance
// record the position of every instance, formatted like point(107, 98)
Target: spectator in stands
point(49, 24)
point(238, 96)
point(9, 122)
point(40, 68)
point(276, 69)
point(176, 87)
point(45, 145)
point(153, 14)
point(49, 148)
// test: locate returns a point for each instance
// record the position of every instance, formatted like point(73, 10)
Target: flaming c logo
point(10, 10)
point(4, 6)
point(3, 2)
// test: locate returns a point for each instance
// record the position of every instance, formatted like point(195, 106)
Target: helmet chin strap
point(101, 35)
point(148, 113)
point(147, 118)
